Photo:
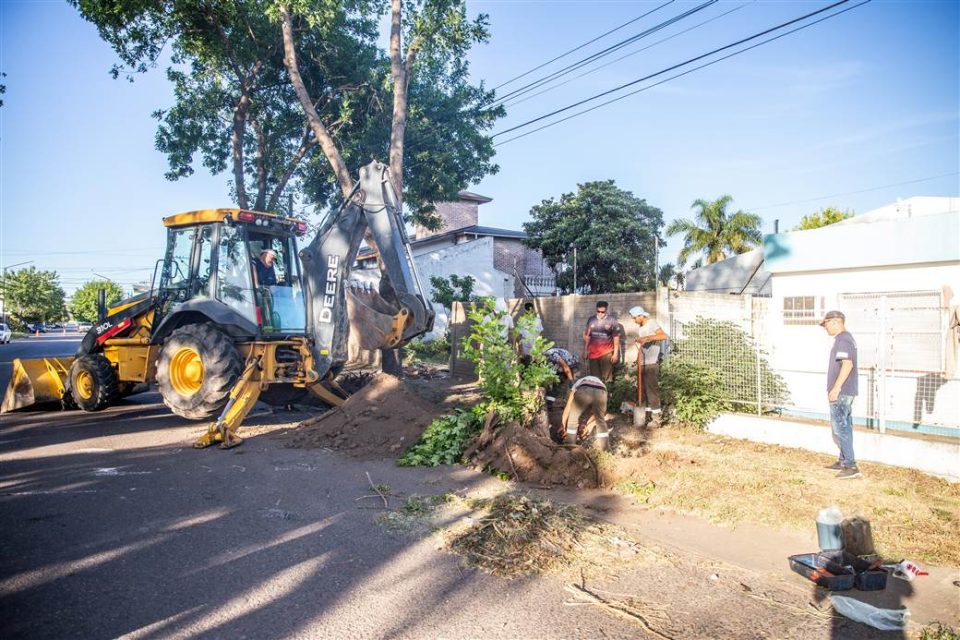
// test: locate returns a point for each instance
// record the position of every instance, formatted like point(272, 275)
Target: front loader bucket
point(36, 381)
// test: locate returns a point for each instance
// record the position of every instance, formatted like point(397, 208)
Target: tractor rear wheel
point(197, 368)
point(93, 382)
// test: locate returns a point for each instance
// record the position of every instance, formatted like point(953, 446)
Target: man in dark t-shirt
point(601, 343)
point(266, 274)
point(841, 390)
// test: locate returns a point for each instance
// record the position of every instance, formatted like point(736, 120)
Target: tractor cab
point(239, 268)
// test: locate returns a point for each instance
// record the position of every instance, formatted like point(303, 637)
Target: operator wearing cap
point(649, 337)
point(266, 274)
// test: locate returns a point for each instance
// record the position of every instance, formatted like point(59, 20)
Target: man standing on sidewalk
point(601, 344)
point(650, 336)
point(841, 390)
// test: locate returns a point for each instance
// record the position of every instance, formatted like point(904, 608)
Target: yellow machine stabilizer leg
point(242, 398)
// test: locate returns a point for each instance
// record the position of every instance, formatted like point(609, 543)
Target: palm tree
point(714, 233)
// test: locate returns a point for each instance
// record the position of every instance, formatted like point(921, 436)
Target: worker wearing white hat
point(649, 337)
point(263, 265)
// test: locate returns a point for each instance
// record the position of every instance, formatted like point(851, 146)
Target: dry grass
point(913, 515)
point(516, 535)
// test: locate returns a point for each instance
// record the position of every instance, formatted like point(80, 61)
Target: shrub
point(723, 347)
point(513, 389)
point(444, 441)
point(436, 351)
point(692, 394)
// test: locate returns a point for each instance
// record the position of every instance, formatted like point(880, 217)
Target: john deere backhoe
point(218, 332)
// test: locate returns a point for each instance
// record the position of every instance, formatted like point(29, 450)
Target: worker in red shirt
point(601, 343)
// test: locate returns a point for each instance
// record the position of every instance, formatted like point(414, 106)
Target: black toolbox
point(838, 571)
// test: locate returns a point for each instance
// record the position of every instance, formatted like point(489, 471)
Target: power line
point(627, 55)
point(676, 66)
point(602, 53)
point(851, 193)
point(577, 48)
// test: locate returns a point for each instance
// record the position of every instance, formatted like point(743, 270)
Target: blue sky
point(861, 101)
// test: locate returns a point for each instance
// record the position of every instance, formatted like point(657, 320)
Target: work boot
point(654, 421)
point(600, 444)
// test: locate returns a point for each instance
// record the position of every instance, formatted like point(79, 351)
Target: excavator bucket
point(36, 381)
point(374, 322)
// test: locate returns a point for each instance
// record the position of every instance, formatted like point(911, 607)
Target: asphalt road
point(114, 527)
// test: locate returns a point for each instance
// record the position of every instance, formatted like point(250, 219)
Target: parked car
point(36, 327)
point(71, 326)
point(84, 327)
point(4, 333)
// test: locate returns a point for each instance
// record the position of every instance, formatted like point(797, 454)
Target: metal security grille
point(771, 362)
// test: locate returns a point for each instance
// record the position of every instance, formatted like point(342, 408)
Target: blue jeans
point(842, 422)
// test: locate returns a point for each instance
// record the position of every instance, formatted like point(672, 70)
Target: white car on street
point(4, 333)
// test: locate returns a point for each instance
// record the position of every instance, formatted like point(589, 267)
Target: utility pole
point(574, 247)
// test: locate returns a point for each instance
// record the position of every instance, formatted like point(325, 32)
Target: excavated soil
point(380, 420)
point(530, 455)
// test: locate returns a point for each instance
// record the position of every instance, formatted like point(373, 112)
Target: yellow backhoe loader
point(239, 314)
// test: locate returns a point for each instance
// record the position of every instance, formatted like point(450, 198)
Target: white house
point(895, 273)
point(500, 264)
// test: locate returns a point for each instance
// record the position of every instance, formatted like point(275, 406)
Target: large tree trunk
point(399, 122)
point(236, 141)
point(261, 201)
point(323, 137)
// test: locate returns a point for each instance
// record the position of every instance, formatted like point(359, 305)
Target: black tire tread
point(105, 389)
point(221, 368)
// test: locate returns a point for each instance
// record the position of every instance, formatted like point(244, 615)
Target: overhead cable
point(602, 53)
point(577, 48)
point(677, 66)
point(513, 102)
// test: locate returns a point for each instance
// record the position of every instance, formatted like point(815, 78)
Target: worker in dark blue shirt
point(266, 274)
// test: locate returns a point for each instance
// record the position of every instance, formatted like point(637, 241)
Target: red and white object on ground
point(906, 570)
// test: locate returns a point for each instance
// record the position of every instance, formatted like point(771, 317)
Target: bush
point(721, 346)
point(444, 441)
point(513, 389)
point(436, 351)
point(692, 394)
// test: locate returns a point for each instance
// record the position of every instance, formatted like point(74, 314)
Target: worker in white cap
point(650, 335)
point(263, 265)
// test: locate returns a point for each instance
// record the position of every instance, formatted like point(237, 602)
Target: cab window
point(277, 275)
point(234, 283)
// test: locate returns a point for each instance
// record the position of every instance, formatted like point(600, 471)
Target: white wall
point(473, 258)
point(800, 353)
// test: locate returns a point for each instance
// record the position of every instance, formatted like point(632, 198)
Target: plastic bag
point(883, 619)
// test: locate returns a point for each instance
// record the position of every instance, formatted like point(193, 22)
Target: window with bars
point(802, 310)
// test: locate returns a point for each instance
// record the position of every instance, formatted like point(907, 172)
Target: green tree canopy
point(243, 102)
point(33, 296)
point(615, 234)
point(83, 305)
point(714, 233)
point(822, 218)
point(455, 289)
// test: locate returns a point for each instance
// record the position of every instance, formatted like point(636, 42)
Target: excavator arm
point(334, 309)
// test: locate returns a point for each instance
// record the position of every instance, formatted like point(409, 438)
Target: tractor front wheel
point(197, 368)
point(93, 382)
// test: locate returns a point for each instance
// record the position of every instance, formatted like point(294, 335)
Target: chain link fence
point(774, 358)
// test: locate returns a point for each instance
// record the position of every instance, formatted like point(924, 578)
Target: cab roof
point(204, 216)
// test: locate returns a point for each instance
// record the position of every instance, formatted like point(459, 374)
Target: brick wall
point(564, 319)
point(455, 215)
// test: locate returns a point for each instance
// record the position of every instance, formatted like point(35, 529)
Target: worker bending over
point(588, 395)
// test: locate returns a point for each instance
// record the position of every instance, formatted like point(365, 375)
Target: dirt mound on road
point(529, 455)
point(379, 421)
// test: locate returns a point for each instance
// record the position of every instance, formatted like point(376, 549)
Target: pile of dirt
point(529, 455)
point(381, 420)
